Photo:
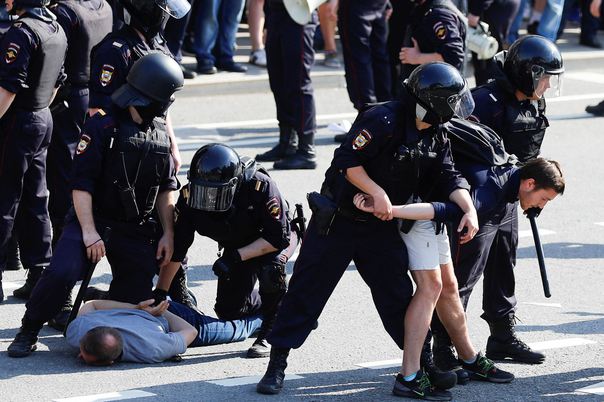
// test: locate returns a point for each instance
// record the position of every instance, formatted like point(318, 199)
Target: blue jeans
point(550, 20)
point(216, 30)
point(213, 331)
point(515, 27)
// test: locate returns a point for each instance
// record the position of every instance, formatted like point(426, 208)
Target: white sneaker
point(258, 58)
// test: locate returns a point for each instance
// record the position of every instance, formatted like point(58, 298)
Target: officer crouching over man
point(122, 172)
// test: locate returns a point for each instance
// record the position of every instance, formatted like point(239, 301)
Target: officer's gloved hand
point(272, 277)
point(159, 295)
point(222, 266)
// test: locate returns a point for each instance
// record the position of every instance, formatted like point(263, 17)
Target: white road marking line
point(561, 343)
point(596, 389)
point(252, 379)
point(570, 98)
point(587, 76)
point(380, 364)
point(110, 396)
point(11, 285)
point(557, 305)
point(599, 223)
point(529, 233)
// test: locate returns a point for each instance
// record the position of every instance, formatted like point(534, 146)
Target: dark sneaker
point(598, 109)
point(272, 381)
point(232, 67)
point(260, 348)
point(483, 369)
point(513, 349)
point(23, 344)
point(419, 388)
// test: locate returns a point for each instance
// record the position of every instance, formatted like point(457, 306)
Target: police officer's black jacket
point(521, 124)
point(493, 187)
point(114, 154)
point(258, 210)
point(402, 160)
point(85, 23)
point(33, 51)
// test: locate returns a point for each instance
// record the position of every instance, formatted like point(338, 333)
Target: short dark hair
point(545, 172)
point(104, 343)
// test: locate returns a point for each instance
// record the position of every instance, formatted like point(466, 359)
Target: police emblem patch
point(83, 144)
point(12, 51)
point(273, 208)
point(361, 140)
point(440, 30)
point(106, 74)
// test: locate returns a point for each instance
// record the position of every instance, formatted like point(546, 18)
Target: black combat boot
point(13, 258)
point(445, 358)
point(598, 109)
point(179, 292)
point(287, 146)
point(33, 275)
point(439, 379)
point(25, 341)
point(261, 347)
point(503, 343)
point(59, 321)
point(272, 382)
point(304, 158)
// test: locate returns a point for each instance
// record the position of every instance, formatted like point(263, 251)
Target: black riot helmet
point(440, 92)
point(534, 64)
point(150, 85)
point(150, 16)
point(214, 176)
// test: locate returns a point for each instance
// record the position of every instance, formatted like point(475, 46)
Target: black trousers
point(380, 257)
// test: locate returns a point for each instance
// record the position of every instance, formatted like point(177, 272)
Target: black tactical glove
point(222, 266)
point(272, 277)
point(159, 295)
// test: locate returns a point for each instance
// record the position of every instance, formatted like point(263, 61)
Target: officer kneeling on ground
point(237, 204)
point(122, 171)
point(108, 331)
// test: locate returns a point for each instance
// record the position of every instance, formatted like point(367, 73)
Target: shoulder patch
point(440, 30)
point(117, 44)
point(273, 208)
point(12, 51)
point(106, 74)
point(362, 139)
point(83, 144)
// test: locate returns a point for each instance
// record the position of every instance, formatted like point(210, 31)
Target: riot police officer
point(437, 32)
point(33, 51)
point(85, 23)
point(394, 151)
point(513, 105)
point(238, 205)
point(290, 55)
point(122, 172)
point(113, 57)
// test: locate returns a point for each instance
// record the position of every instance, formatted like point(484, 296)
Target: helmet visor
point(462, 104)
point(212, 196)
point(175, 8)
point(548, 86)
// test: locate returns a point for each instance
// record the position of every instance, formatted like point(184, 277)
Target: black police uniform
point(113, 153)
point(290, 55)
point(438, 28)
point(404, 162)
point(364, 31)
point(258, 211)
point(85, 23)
point(32, 52)
point(112, 59)
point(499, 14)
point(495, 195)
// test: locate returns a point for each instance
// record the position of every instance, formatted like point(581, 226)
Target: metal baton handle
point(531, 217)
point(83, 287)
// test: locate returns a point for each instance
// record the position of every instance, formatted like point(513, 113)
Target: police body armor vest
point(136, 165)
point(524, 128)
point(95, 22)
point(45, 64)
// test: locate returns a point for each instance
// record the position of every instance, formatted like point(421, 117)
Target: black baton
point(83, 287)
point(531, 214)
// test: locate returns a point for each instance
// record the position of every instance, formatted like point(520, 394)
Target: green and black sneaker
point(483, 369)
point(419, 388)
